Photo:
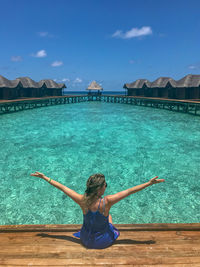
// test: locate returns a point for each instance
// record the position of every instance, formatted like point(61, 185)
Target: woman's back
point(96, 231)
point(100, 204)
point(95, 220)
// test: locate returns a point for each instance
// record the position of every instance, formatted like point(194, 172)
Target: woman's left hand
point(38, 174)
point(155, 180)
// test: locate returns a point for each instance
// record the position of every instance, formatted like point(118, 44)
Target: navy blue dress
point(96, 231)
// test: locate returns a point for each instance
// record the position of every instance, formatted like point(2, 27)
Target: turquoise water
point(128, 144)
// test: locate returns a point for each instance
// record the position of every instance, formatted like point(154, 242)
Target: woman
point(97, 230)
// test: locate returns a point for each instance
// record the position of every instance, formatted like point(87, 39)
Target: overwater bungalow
point(94, 89)
point(25, 87)
point(8, 89)
point(136, 88)
point(189, 87)
point(165, 87)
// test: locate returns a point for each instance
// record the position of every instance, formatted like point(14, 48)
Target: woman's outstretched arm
point(112, 199)
point(71, 193)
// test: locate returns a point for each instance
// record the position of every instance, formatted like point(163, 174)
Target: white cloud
point(41, 53)
point(45, 34)
point(16, 58)
point(65, 80)
point(118, 33)
point(134, 32)
point(57, 64)
point(78, 80)
point(192, 67)
point(62, 80)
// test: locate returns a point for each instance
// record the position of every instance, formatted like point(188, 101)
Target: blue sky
point(110, 41)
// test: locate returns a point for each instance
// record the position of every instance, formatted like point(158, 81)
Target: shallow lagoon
point(128, 144)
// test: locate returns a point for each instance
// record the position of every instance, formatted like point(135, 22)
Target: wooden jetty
point(162, 245)
point(186, 106)
point(14, 105)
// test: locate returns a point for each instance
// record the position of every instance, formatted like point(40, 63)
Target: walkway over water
point(186, 106)
point(166, 245)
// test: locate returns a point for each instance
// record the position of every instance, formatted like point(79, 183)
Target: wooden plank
point(36, 228)
point(120, 265)
point(123, 227)
point(163, 234)
point(65, 253)
point(186, 237)
point(135, 238)
point(119, 243)
point(93, 261)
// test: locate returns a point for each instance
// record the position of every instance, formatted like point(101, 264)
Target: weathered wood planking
point(138, 245)
point(123, 227)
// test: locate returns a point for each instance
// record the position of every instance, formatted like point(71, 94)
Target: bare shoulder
point(107, 200)
point(113, 199)
point(81, 199)
point(82, 203)
point(107, 205)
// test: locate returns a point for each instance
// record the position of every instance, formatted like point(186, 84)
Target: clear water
point(128, 144)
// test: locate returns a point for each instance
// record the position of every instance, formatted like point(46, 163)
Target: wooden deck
point(166, 245)
point(123, 96)
point(186, 106)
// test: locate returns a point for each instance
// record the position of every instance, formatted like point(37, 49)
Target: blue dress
point(96, 231)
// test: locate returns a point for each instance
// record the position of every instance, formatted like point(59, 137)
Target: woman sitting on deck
point(97, 231)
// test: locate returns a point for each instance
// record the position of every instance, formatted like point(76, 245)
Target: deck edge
point(121, 227)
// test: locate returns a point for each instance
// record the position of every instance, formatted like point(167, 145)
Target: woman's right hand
point(38, 174)
point(156, 181)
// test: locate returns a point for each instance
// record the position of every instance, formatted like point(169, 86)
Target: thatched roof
point(189, 81)
point(162, 82)
point(7, 83)
point(94, 86)
point(137, 84)
point(52, 84)
point(26, 82)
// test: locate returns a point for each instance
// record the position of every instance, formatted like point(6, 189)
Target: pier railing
point(185, 106)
